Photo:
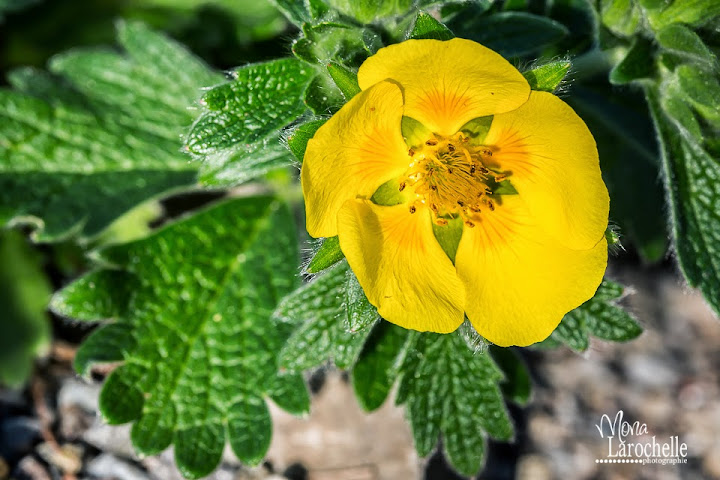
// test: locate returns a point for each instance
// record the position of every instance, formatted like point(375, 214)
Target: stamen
point(449, 175)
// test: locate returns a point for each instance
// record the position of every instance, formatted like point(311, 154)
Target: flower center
point(451, 176)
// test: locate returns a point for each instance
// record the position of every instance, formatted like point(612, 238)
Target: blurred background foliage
point(644, 77)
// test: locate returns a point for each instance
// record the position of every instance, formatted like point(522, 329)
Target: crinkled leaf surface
point(237, 135)
point(196, 337)
point(319, 310)
point(450, 390)
point(82, 145)
point(600, 317)
point(692, 178)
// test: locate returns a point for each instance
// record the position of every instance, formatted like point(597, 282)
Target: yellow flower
point(503, 224)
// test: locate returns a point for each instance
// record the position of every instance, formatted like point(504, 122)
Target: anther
point(432, 142)
point(441, 221)
point(491, 205)
point(487, 152)
point(412, 209)
point(451, 147)
point(411, 152)
point(450, 170)
point(472, 169)
point(433, 188)
point(402, 186)
point(461, 203)
point(469, 223)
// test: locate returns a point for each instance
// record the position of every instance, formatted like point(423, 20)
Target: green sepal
point(389, 194)
point(414, 132)
point(548, 77)
point(326, 256)
point(448, 236)
point(477, 128)
point(345, 80)
point(427, 27)
point(298, 138)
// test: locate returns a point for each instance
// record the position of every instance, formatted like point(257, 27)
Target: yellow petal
point(519, 281)
point(446, 84)
point(400, 265)
point(357, 150)
point(555, 168)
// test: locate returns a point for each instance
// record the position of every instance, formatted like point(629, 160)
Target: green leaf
point(622, 17)
point(690, 12)
point(318, 311)
point(197, 339)
point(298, 12)
point(345, 80)
point(702, 90)
point(359, 312)
point(692, 179)
point(639, 63)
point(109, 343)
point(426, 26)
point(451, 391)
point(24, 291)
point(237, 137)
point(378, 365)
point(240, 165)
point(366, 11)
point(81, 147)
point(511, 34)
point(600, 317)
point(262, 99)
point(516, 386)
point(682, 41)
point(548, 77)
point(99, 295)
point(629, 163)
point(327, 255)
